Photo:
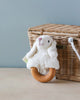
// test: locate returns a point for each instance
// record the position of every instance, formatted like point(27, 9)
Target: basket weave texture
point(69, 62)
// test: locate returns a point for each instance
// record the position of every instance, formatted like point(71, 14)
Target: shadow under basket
point(68, 60)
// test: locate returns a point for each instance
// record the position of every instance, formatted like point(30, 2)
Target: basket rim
point(58, 28)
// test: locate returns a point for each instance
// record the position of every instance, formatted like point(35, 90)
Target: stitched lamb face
point(44, 42)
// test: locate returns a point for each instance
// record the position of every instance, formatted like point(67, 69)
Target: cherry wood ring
point(43, 78)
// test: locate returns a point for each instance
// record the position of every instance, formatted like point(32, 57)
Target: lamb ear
point(52, 50)
point(32, 51)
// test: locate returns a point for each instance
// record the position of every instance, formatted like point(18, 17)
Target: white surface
point(18, 84)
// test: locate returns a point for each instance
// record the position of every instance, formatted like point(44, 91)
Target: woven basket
point(69, 62)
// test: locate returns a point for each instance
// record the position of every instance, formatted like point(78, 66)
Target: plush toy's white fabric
point(43, 54)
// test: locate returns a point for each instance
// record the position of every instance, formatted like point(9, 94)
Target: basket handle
point(70, 40)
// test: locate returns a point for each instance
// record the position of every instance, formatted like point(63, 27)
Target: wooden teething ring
point(43, 78)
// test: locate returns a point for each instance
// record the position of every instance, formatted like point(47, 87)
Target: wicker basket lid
point(59, 28)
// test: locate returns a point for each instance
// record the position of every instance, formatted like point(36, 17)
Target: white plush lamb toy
point(43, 54)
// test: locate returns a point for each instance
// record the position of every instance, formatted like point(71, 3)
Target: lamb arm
point(52, 52)
point(31, 52)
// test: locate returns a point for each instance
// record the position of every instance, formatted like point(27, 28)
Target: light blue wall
point(17, 15)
